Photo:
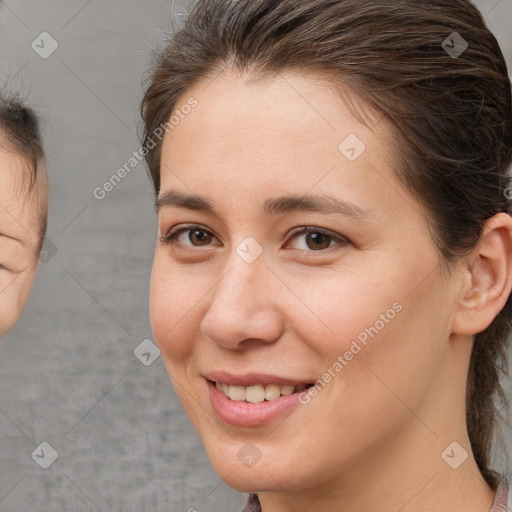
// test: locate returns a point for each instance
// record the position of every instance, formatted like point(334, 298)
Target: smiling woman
point(331, 282)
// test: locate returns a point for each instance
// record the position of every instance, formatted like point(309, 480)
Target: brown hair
point(20, 133)
point(451, 116)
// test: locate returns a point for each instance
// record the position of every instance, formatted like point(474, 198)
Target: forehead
point(291, 133)
point(19, 209)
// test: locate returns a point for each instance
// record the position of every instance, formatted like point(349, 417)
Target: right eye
point(197, 236)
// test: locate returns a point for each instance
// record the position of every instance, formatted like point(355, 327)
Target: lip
point(251, 379)
point(245, 414)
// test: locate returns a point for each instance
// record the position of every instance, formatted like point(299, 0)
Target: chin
point(241, 469)
point(249, 480)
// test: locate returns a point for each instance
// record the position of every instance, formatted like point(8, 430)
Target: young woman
point(331, 282)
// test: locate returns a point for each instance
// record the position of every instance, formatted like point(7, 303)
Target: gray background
point(68, 372)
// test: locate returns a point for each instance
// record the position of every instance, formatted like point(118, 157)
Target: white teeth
point(272, 391)
point(287, 390)
point(237, 393)
point(257, 393)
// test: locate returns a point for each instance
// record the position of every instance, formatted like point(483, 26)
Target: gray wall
point(68, 373)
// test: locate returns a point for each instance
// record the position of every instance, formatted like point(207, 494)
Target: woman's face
point(301, 259)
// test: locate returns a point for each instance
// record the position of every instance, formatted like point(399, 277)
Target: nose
point(244, 307)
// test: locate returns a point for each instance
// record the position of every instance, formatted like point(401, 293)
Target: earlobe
point(488, 278)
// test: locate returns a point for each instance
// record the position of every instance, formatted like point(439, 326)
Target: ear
point(487, 280)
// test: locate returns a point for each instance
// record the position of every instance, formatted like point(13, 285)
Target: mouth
point(257, 393)
point(253, 399)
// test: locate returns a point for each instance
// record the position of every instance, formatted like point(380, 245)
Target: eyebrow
point(272, 206)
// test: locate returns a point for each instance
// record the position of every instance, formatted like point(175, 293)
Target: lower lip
point(245, 414)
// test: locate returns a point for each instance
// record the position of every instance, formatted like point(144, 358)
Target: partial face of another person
point(305, 260)
point(20, 233)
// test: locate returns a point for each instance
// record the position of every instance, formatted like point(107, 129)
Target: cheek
point(380, 328)
point(392, 347)
point(173, 302)
point(343, 309)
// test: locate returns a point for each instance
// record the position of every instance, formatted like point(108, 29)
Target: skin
point(372, 439)
point(19, 239)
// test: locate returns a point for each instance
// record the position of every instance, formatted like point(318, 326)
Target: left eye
point(315, 239)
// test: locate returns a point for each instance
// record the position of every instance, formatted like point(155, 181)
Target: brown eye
point(200, 236)
point(313, 239)
point(189, 237)
point(317, 241)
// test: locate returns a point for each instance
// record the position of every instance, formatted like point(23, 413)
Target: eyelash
point(173, 234)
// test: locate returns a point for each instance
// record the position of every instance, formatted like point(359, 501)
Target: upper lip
point(251, 379)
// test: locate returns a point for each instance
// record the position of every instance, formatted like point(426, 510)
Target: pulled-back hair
point(450, 113)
